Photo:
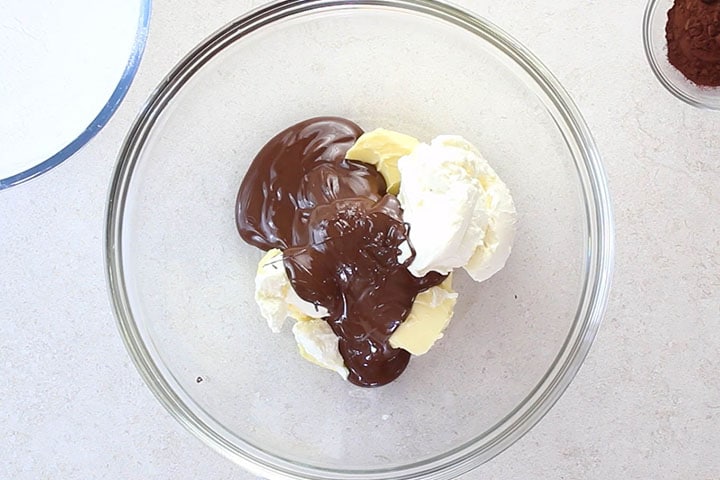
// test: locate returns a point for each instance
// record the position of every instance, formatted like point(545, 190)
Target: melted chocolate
point(340, 234)
point(301, 168)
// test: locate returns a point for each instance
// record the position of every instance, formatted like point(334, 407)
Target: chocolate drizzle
point(341, 234)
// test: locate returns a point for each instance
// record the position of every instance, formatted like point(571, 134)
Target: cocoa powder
point(693, 38)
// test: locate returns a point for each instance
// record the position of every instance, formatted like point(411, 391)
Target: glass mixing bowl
point(182, 280)
point(656, 52)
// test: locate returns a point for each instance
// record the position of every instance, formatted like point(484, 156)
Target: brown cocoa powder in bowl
point(693, 38)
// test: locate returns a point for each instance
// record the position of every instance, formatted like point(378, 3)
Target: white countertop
point(646, 404)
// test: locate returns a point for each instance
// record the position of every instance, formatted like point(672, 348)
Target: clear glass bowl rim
point(665, 81)
point(597, 268)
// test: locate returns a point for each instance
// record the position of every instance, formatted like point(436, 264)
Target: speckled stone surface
point(646, 404)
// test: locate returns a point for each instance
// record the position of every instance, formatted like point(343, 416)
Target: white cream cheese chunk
point(276, 297)
point(277, 300)
point(459, 211)
point(318, 344)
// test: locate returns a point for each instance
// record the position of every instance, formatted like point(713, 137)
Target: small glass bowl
point(656, 51)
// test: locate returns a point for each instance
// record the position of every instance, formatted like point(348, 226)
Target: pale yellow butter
point(430, 315)
point(383, 148)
